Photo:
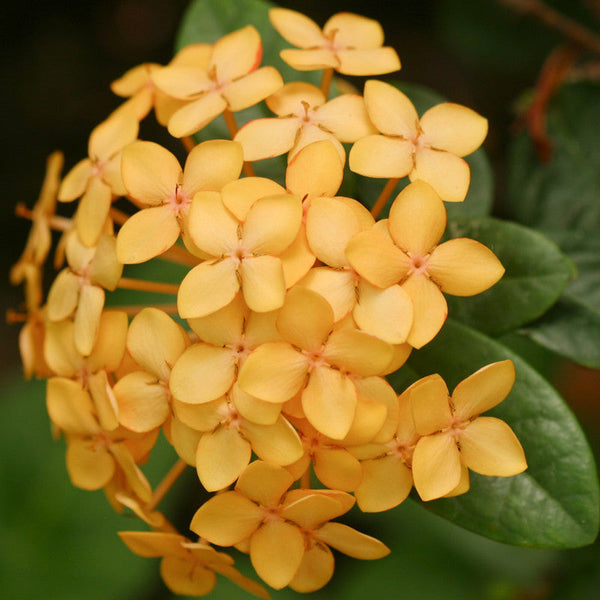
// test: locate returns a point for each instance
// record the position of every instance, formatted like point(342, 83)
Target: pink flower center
point(418, 264)
point(179, 201)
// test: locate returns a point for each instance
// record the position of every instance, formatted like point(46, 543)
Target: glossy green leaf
point(563, 192)
point(572, 327)
point(536, 274)
point(555, 503)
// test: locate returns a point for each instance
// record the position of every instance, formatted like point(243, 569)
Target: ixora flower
point(405, 250)
point(453, 434)
point(430, 148)
point(351, 44)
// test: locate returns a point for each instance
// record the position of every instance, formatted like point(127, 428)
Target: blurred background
point(57, 63)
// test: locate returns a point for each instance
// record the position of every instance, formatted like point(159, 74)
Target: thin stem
point(188, 143)
point(555, 20)
point(305, 479)
point(166, 484)
point(383, 197)
point(326, 80)
point(12, 316)
point(147, 286)
point(179, 255)
point(56, 222)
point(118, 216)
point(232, 127)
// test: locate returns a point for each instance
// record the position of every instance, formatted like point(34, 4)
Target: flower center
point(179, 201)
point(418, 264)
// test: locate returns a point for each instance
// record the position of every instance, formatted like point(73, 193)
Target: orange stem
point(305, 479)
point(166, 484)
point(147, 286)
point(232, 127)
point(56, 222)
point(326, 80)
point(383, 197)
point(188, 143)
point(12, 316)
point(179, 255)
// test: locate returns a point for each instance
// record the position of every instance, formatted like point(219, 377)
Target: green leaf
point(536, 274)
point(572, 327)
point(555, 503)
point(480, 196)
point(563, 192)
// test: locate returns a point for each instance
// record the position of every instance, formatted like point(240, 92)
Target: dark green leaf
point(555, 503)
point(536, 274)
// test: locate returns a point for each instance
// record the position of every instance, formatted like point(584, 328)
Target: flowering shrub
point(277, 365)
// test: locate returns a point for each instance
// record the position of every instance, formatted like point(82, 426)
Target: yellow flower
point(349, 43)
point(154, 178)
point(454, 435)
point(97, 179)
point(304, 116)
point(405, 250)
point(231, 81)
point(430, 148)
point(187, 568)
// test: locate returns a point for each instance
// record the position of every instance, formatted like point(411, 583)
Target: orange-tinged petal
point(207, 288)
point(156, 342)
point(329, 402)
point(315, 571)
point(200, 417)
point(436, 466)
point(263, 283)
point(351, 542)
point(316, 170)
point(236, 54)
point(59, 349)
point(429, 400)
point(92, 211)
point(239, 196)
point(297, 259)
point(185, 577)
point(192, 117)
point(464, 267)
point(373, 410)
point(346, 117)
point(254, 410)
point(274, 372)
point(221, 457)
point(87, 318)
point(368, 61)
point(63, 295)
point(446, 173)
point(292, 98)
point(277, 443)
point(265, 138)
point(336, 286)
point(212, 164)
point(75, 181)
point(111, 175)
point(134, 476)
point(298, 29)
point(429, 309)
point(417, 219)
point(211, 226)
point(387, 313)
point(264, 483)
point(272, 224)
point(88, 468)
point(104, 400)
point(143, 401)
point(390, 110)
point(181, 80)
point(484, 389)
point(276, 551)
point(310, 508)
point(70, 406)
point(183, 438)
point(337, 469)
point(112, 135)
point(355, 31)
point(386, 482)
point(375, 257)
point(310, 59)
point(453, 128)
point(227, 519)
point(357, 352)
point(151, 544)
point(305, 319)
point(309, 134)
point(252, 88)
point(260, 328)
point(150, 172)
point(214, 367)
point(489, 446)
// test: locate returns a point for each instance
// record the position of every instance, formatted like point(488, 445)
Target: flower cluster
point(266, 367)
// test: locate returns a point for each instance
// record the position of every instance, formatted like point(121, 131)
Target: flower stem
point(305, 479)
point(56, 222)
point(179, 255)
point(166, 484)
point(147, 286)
point(383, 197)
point(326, 80)
point(188, 142)
point(134, 309)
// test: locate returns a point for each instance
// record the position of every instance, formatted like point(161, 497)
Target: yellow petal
point(156, 342)
point(92, 211)
point(70, 406)
point(311, 133)
point(375, 257)
point(214, 367)
point(336, 286)
point(75, 181)
point(387, 313)
point(489, 446)
point(276, 551)
point(151, 544)
point(346, 118)
point(87, 318)
point(274, 372)
point(390, 110)
point(252, 88)
point(386, 482)
point(310, 508)
point(484, 389)
point(316, 170)
point(59, 349)
point(110, 343)
point(336, 468)
point(417, 219)
point(277, 443)
point(105, 270)
point(184, 439)
point(356, 31)
point(265, 138)
point(305, 319)
point(192, 117)
point(143, 401)
point(429, 400)
point(263, 283)
point(454, 128)
point(182, 81)
point(223, 327)
point(464, 267)
point(351, 542)
point(371, 61)
point(296, 28)
point(239, 196)
point(429, 309)
point(310, 59)
point(221, 457)
point(315, 571)
point(292, 98)
point(112, 135)
point(446, 173)
point(264, 483)
point(329, 402)
point(236, 54)
point(357, 352)
point(185, 577)
point(63, 295)
point(200, 417)
point(436, 466)
point(150, 172)
point(227, 519)
point(297, 259)
point(207, 288)
point(88, 468)
point(255, 410)
point(104, 400)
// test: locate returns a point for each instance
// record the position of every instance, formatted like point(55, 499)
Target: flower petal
point(298, 29)
point(429, 400)
point(316, 170)
point(446, 173)
point(185, 577)
point(337, 469)
point(63, 295)
point(87, 318)
point(386, 482)
point(239, 196)
point(252, 88)
point(92, 211)
point(369, 61)
point(192, 117)
point(390, 110)
point(292, 98)
point(223, 327)
point(75, 181)
point(88, 468)
point(112, 135)
point(277, 443)
point(264, 483)
point(355, 31)
point(236, 54)
point(357, 352)
point(265, 138)
point(315, 571)
point(336, 286)
point(263, 283)
point(346, 117)
point(351, 542)
point(70, 407)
